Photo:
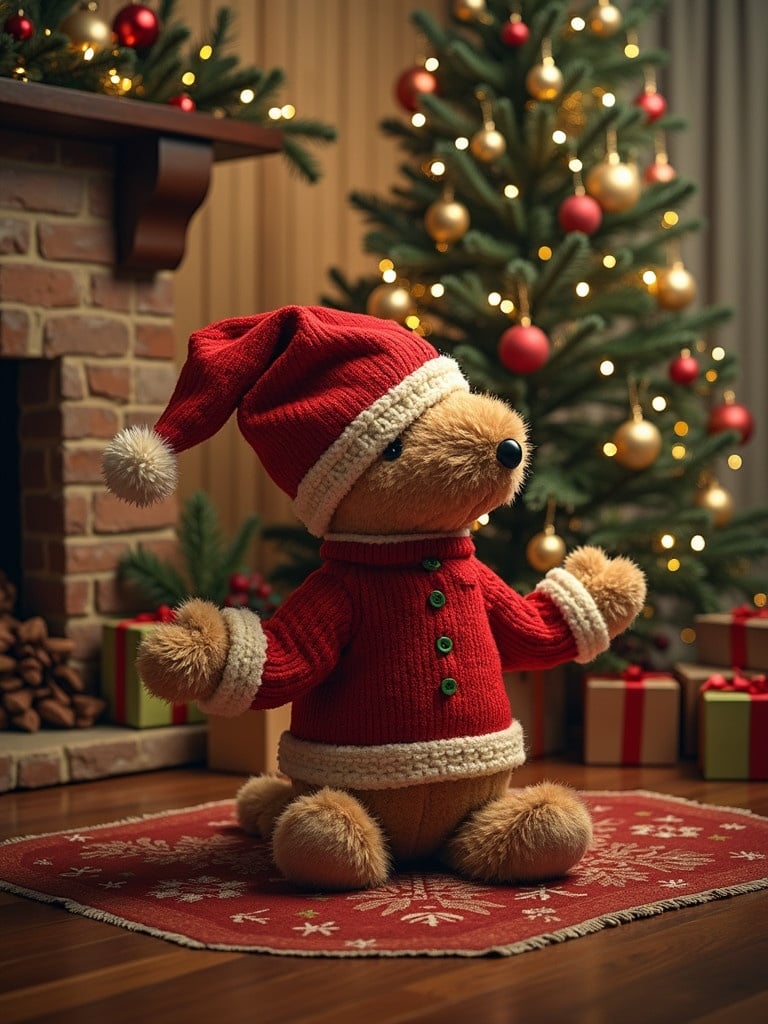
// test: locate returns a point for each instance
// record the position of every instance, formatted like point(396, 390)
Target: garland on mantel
point(147, 54)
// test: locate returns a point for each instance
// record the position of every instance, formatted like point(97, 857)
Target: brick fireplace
point(95, 197)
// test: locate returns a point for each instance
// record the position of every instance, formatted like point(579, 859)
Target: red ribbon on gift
point(756, 689)
point(634, 703)
point(739, 618)
point(163, 613)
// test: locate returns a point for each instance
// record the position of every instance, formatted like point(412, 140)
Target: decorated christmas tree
point(147, 54)
point(538, 234)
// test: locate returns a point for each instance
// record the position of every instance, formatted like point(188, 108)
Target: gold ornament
point(488, 145)
point(605, 20)
point(86, 29)
point(469, 10)
point(544, 81)
point(718, 501)
point(675, 287)
point(638, 442)
point(390, 302)
point(615, 185)
point(545, 550)
point(446, 220)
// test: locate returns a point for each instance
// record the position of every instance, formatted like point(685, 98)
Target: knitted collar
point(400, 551)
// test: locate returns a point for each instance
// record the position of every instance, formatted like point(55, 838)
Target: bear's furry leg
point(327, 840)
point(260, 802)
point(528, 835)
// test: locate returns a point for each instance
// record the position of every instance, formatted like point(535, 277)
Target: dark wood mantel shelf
point(163, 158)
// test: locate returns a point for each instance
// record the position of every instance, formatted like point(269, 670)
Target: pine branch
point(158, 582)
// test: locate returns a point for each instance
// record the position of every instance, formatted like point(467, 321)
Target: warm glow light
point(288, 111)
point(609, 261)
point(484, 519)
point(431, 63)
point(437, 168)
point(545, 253)
point(247, 96)
point(126, 84)
point(688, 635)
point(114, 78)
point(89, 53)
point(389, 276)
point(609, 449)
point(575, 165)
point(507, 306)
point(494, 299)
point(710, 376)
point(734, 461)
point(760, 600)
point(386, 264)
point(559, 137)
point(681, 428)
point(679, 451)
point(658, 403)
point(649, 277)
point(412, 321)
point(697, 542)
point(206, 52)
point(669, 219)
point(631, 50)
point(462, 142)
point(582, 289)
point(667, 540)
point(718, 353)
point(607, 367)
point(188, 78)
point(609, 100)
point(437, 290)
point(274, 113)
point(511, 191)
point(418, 120)
point(578, 24)
point(673, 564)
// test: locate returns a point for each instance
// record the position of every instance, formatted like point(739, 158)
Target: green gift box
point(129, 702)
point(733, 729)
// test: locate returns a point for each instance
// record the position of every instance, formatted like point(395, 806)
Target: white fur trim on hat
point(579, 611)
point(244, 667)
point(393, 765)
point(139, 466)
point(366, 437)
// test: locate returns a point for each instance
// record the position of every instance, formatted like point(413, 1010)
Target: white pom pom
point(139, 466)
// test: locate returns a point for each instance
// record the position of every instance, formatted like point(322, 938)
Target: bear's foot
point(260, 802)
point(327, 840)
point(528, 835)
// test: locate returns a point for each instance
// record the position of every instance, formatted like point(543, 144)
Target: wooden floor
point(706, 963)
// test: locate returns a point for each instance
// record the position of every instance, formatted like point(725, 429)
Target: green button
point(449, 686)
point(431, 564)
point(444, 644)
point(437, 599)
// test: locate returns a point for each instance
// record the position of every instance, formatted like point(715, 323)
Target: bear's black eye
point(393, 450)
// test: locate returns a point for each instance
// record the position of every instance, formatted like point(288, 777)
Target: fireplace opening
point(10, 473)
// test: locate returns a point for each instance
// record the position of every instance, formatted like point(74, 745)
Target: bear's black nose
point(509, 453)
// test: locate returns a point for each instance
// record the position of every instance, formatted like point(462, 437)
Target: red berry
point(238, 581)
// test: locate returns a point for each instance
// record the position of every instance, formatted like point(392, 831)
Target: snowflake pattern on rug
point(193, 877)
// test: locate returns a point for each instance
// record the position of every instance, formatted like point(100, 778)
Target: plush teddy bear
point(402, 740)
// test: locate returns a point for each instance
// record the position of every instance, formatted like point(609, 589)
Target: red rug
point(192, 877)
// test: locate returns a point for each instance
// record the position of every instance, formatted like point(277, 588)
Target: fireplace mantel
point(163, 158)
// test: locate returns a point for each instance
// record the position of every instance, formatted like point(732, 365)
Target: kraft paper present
point(247, 743)
point(631, 721)
point(538, 702)
point(121, 686)
point(733, 739)
point(734, 639)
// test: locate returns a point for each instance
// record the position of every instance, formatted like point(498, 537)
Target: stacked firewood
point(38, 686)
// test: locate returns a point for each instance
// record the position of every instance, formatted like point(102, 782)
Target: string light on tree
point(19, 27)
point(515, 32)
point(86, 29)
point(637, 441)
point(544, 81)
point(614, 184)
point(546, 550)
point(136, 26)
point(488, 144)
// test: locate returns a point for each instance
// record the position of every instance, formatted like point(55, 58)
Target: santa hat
point(319, 394)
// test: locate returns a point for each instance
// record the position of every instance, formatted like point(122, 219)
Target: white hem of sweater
point(366, 437)
point(241, 678)
point(394, 765)
point(580, 612)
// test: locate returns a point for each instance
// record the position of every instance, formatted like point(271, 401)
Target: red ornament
point(514, 33)
point(684, 370)
point(580, 213)
point(523, 349)
point(412, 84)
point(184, 102)
point(19, 27)
point(659, 172)
point(731, 416)
point(653, 104)
point(136, 26)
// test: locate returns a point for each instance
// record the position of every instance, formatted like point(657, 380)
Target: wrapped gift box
point(129, 702)
point(247, 743)
point(538, 703)
point(691, 678)
point(631, 719)
point(737, 638)
point(733, 728)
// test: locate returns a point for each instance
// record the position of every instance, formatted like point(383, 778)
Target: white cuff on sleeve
point(245, 664)
point(579, 611)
